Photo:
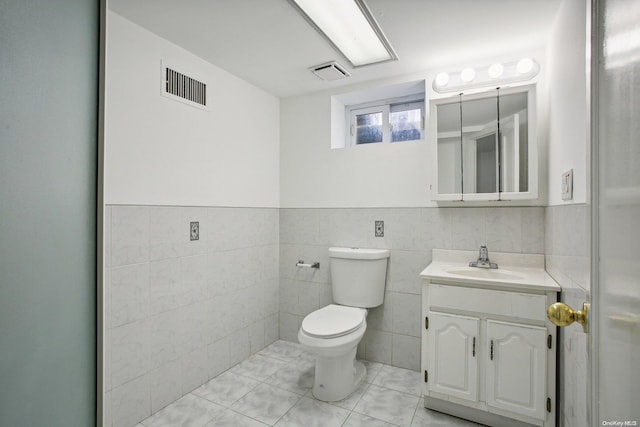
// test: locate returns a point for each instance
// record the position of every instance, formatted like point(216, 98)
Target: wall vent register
point(184, 88)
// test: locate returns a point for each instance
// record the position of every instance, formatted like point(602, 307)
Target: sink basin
point(481, 273)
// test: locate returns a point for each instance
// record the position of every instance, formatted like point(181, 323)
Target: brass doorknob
point(561, 314)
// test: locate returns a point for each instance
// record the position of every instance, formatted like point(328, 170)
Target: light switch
point(567, 185)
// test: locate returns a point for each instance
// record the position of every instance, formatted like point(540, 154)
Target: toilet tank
point(358, 276)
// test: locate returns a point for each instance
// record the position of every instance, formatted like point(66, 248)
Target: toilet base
point(337, 377)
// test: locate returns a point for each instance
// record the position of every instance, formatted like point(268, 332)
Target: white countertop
point(514, 272)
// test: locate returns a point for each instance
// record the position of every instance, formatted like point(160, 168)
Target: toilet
point(332, 333)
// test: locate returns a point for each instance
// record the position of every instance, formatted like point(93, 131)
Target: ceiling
point(269, 44)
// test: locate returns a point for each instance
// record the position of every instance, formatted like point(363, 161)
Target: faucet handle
point(484, 253)
point(483, 259)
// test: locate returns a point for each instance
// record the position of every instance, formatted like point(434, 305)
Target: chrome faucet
point(483, 259)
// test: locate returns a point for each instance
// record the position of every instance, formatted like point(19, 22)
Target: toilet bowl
point(332, 334)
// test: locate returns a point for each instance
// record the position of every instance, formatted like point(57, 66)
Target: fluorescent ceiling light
point(349, 26)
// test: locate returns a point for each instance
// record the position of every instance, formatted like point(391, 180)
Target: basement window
point(378, 115)
point(390, 121)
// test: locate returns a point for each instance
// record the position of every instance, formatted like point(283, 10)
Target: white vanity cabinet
point(488, 350)
point(517, 368)
point(452, 342)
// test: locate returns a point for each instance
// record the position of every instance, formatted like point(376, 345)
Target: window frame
point(355, 112)
point(385, 106)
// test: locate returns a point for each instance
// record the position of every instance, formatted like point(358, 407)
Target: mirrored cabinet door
point(514, 138)
point(480, 148)
point(449, 150)
point(486, 146)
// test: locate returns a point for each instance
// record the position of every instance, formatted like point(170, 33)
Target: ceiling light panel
point(349, 26)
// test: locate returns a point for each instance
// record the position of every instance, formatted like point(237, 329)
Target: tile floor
point(273, 387)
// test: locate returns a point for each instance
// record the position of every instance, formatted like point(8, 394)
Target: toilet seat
point(333, 321)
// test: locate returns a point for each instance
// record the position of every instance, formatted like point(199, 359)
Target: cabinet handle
point(491, 349)
point(473, 352)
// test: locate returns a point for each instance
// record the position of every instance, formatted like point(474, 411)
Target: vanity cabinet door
point(453, 355)
point(516, 368)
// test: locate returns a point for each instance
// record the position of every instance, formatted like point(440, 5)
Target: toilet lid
point(333, 321)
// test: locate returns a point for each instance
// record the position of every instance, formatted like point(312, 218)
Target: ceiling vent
point(330, 71)
point(181, 87)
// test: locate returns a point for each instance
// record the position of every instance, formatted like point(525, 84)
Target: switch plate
point(567, 185)
point(379, 228)
point(194, 230)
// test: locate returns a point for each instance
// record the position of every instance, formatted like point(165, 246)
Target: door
point(516, 368)
point(615, 349)
point(48, 197)
point(453, 355)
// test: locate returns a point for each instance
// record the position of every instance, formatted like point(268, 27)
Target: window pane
point(368, 128)
point(405, 125)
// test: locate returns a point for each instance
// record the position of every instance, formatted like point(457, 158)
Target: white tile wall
point(129, 352)
point(131, 402)
point(567, 245)
point(129, 293)
point(405, 352)
point(289, 325)
point(378, 346)
point(129, 235)
point(271, 328)
point(567, 261)
point(179, 312)
point(468, 228)
point(393, 331)
point(238, 346)
point(165, 385)
point(407, 312)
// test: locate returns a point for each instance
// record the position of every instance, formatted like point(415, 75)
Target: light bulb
point(442, 79)
point(467, 75)
point(525, 65)
point(495, 71)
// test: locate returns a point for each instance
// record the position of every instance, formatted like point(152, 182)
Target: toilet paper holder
point(302, 264)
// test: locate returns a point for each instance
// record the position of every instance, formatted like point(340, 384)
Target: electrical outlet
point(194, 233)
point(379, 228)
point(567, 185)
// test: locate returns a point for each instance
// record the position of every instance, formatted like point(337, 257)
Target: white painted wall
point(252, 149)
point(314, 175)
point(373, 175)
point(567, 97)
point(162, 152)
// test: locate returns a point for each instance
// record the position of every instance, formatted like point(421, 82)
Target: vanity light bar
point(469, 78)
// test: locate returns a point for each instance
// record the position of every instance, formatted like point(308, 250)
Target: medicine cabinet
point(486, 146)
